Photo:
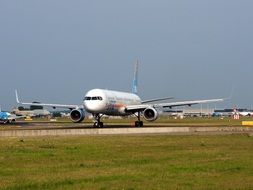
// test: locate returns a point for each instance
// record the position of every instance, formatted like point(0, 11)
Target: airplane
point(100, 102)
point(234, 111)
point(246, 113)
point(242, 112)
point(7, 117)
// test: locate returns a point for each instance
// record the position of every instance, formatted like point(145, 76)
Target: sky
point(54, 51)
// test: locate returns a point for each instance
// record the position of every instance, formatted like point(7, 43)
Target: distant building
point(189, 112)
point(198, 112)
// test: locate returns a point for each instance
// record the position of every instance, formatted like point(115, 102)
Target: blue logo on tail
point(135, 81)
point(134, 88)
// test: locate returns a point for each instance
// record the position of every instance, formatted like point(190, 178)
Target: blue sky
point(55, 50)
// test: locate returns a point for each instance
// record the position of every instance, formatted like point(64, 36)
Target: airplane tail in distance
point(135, 80)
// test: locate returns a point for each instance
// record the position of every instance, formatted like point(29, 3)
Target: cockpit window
point(93, 98)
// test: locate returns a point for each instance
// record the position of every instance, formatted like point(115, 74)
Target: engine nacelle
point(150, 114)
point(77, 115)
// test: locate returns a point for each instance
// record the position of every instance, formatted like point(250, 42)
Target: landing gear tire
point(98, 124)
point(139, 124)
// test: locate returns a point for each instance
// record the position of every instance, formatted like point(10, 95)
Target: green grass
point(127, 162)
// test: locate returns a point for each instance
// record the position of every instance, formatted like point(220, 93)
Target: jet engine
point(150, 114)
point(77, 115)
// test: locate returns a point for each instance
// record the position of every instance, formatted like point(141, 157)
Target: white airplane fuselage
point(245, 113)
point(108, 102)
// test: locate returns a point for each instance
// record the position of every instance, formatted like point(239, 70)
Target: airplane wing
point(156, 100)
point(141, 107)
point(48, 105)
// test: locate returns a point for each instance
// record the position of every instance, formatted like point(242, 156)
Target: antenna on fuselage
point(135, 80)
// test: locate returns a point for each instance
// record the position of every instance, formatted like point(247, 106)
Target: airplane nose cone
point(94, 101)
point(93, 106)
point(88, 106)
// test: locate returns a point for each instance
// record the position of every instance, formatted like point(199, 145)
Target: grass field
point(127, 162)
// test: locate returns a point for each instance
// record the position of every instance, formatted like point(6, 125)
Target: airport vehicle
point(100, 102)
point(7, 117)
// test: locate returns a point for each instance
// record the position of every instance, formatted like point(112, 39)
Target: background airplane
point(242, 112)
point(7, 117)
point(100, 102)
point(234, 111)
point(32, 111)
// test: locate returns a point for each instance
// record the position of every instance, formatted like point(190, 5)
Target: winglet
point(230, 95)
point(135, 80)
point(17, 99)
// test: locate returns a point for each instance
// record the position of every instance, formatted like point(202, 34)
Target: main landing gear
point(6, 121)
point(98, 123)
point(139, 123)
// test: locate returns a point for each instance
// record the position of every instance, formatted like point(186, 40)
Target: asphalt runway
point(34, 129)
point(40, 125)
point(20, 125)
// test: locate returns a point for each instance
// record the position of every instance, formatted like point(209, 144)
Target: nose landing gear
point(98, 123)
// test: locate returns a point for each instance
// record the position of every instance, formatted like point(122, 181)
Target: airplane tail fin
point(135, 80)
point(17, 99)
